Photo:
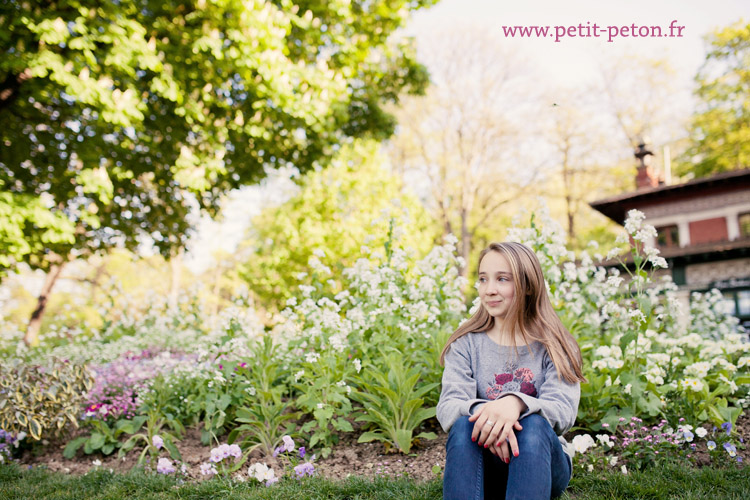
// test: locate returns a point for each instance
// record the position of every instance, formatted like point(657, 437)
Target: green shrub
point(42, 400)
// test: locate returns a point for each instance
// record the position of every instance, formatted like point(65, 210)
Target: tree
point(118, 117)
point(640, 93)
point(463, 139)
point(337, 211)
point(720, 130)
point(584, 162)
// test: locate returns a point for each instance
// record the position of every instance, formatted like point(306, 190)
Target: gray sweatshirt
point(478, 370)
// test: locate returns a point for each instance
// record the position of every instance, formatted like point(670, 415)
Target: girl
point(511, 386)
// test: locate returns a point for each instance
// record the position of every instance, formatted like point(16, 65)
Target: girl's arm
point(557, 399)
point(459, 393)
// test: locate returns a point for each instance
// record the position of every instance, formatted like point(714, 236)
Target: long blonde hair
point(530, 314)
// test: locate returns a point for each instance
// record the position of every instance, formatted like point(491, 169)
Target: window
point(668, 236)
point(743, 303)
point(744, 220)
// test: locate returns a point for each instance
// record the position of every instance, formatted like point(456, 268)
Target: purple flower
point(302, 452)
point(304, 469)
point(731, 449)
point(164, 466)
point(208, 469)
point(288, 443)
point(727, 426)
point(157, 441)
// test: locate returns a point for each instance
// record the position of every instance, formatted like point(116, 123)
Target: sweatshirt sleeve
point(459, 393)
point(557, 399)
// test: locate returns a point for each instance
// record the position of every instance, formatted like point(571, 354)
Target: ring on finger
point(490, 422)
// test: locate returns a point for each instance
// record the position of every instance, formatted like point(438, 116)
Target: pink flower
point(528, 388)
point(494, 391)
point(503, 378)
point(524, 374)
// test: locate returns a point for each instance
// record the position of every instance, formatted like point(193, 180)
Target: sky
point(571, 61)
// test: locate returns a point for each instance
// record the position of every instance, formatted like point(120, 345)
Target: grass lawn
point(656, 483)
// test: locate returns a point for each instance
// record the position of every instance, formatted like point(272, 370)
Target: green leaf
point(173, 451)
point(367, 437)
point(35, 428)
point(72, 447)
point(403, 440)
point(341, 424)
point(97, 441)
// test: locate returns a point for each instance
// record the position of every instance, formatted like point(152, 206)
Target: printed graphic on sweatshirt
point(520, 380)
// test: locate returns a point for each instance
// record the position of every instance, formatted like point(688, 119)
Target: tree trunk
point(31, 338)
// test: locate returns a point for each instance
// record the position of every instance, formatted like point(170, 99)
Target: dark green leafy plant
point(266, 408)
point(104, 437)
point(392, 401)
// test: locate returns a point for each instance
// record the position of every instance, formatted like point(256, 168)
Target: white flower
point(583, 442)
point(624, 469)
point(605, 440)
point(698, 370)
point(693, 384)
point(701, 432)
point(628, 388)
point(613, 461)
point(261, 472)
point(357, 364)
point(97, 463)
point(659, 262)
point(312, 357)
point(614, 281)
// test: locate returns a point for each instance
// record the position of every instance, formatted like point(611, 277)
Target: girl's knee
point(460, 432)
point(462, 424)
point(536, 433)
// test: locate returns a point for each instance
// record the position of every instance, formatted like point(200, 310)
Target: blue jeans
point(541, 470)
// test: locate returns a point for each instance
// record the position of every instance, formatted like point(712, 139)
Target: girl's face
point(496, 285)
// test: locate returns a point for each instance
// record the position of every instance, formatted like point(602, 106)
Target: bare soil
point(349, 458)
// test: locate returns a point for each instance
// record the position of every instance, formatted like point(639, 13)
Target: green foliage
point(392, 401)
point(266, 411)
point(42, 400)
point(721, 127)
point(337, 211)
point(117, 116)
point(154, 427)
point(105, 436)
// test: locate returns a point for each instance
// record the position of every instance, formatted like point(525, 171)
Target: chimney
point(646, 176)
